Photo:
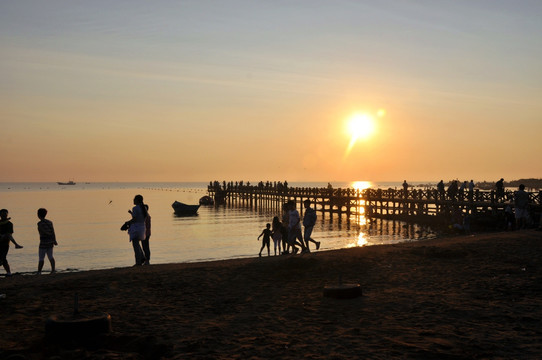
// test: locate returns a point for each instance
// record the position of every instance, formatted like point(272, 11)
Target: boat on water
point(206, 200)
point(71, 182)
point(184, 209)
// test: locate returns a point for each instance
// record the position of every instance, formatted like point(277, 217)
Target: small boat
point(66, 183)
point(184, 209)
point(206, 200)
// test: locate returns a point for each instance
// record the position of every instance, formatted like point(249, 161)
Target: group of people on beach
point(139, 231)
point(47, 240)
point(287, 235)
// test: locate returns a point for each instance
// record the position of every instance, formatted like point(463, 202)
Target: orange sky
point(253, 91)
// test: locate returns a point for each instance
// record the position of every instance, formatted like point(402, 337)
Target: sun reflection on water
point(359, 218)
point(361, 241)
point(362, 185)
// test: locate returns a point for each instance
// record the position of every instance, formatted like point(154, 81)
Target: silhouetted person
point(6, 236)
point(499, 185)
point(440, 189)
point(294, 228)
point(452, 190)
point(309, 220)
point(137, 228)
point(284, 228)
point(277, 234)
point(471, 190)
point(462, 190)
point(47, 240)
point(405, 189)
point(145, 242)
point(521, 201)
point(266, 233)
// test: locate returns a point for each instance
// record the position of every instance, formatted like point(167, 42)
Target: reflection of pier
point(425, 206)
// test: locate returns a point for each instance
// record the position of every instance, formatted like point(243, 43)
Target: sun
point(361, 126)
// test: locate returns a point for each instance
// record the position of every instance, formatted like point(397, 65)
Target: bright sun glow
point(361, 185)
point(360, 126)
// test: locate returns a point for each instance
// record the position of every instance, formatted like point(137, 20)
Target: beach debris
point(78, 326)
point(343, 291)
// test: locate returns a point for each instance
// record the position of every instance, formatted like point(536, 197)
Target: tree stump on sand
point(343, 291)
point(77, 326)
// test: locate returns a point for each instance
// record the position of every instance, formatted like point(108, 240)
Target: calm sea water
point(87, 220)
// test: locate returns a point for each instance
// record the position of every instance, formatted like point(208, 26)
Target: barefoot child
point(277, 234)
point(47, 240)
point(6, 236)
point(266, 233)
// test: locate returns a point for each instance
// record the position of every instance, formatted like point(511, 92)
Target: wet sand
point(465, 297)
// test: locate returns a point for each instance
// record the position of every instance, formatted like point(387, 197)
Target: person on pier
point(471, 190)
point(499, 185)
point(309, 220)
point(521, 202)
point(440, 189)
point(294, 228)
point(405, 189)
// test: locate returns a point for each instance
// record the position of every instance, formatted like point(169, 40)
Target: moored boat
point(184, 209)
point(206, 200)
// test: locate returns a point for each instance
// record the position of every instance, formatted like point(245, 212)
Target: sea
point(87, 218)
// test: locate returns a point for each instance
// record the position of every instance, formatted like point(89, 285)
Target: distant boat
point(66, 183)
point(206, 200)
point(184, 209)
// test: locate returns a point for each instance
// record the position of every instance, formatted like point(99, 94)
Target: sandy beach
point(465, 297)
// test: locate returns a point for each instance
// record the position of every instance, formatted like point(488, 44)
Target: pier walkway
point(419, 205)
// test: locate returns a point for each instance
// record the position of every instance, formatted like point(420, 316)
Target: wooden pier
point(417, 205)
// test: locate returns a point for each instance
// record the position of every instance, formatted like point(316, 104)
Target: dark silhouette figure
point(6, 236)
point(294, 228)
point(137, 228)
point(309, 220)
point(145, 242)
point(452, 190)
point(266, 233)
point(521, 201)
point(440, 189)
point(277, 234)
point(47, 240)
point(499, 185)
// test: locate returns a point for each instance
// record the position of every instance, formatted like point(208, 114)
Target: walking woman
point(137, 228)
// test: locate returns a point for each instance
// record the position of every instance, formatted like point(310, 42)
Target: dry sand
point(468, 297)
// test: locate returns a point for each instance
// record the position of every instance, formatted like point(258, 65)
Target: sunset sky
point(263, 90)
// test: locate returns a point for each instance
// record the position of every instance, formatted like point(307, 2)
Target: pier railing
point(414, 204)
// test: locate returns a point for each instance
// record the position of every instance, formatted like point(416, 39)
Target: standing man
point(471, 190)
point(440, 189)
point(500, 189)
point(521, 200)
point(309, 220)
point(462, 190)
point(405, 189)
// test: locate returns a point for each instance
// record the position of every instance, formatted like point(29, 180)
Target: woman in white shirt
point(137, 228)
